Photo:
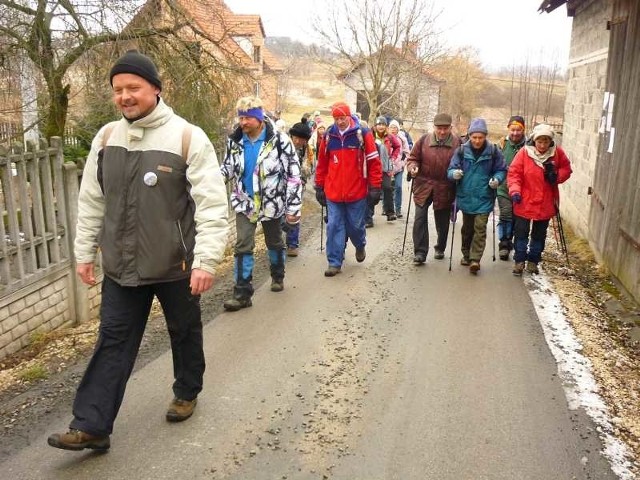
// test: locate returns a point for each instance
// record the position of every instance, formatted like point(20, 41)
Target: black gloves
point(550, 175)
point(320, 196)
point(373, 196)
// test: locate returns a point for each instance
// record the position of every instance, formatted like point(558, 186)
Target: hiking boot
point(532, 267)
point(419, 259)
point(180, 410)
point(332, 271)
point(292, 252)
point(504, 254)
point(474, 267)
point(399, 215)
point(361, 254)
point(438, 254)
point(277, 285)
point(77, 440)
point(368, 224)
point(391, 217)
point(518, 268)
point(465, 261)
point(236, 304)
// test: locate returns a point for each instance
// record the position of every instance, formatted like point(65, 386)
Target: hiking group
point(153, 201)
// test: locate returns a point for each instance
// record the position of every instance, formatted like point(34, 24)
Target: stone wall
point(585, 94)
point(40, 307)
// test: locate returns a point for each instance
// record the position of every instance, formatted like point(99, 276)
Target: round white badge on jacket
point(150, 179)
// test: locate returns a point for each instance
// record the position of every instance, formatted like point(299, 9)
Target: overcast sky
point(503, 30)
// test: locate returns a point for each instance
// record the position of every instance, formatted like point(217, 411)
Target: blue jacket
point(473, 194)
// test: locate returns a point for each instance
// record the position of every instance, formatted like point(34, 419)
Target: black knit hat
point(301, 130)
point(138, 64)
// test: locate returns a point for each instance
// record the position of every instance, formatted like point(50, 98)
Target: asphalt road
point(386, 371)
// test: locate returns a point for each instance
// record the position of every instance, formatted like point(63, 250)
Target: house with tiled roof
point(236, 40)
point(407, 90)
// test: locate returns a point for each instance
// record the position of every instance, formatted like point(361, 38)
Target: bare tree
point(54, 35)
point(464, 79)
point(386, 47)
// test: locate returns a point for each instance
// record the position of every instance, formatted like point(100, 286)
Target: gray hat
point(381, 121)
point(442, 120)
point(478, 125)
point(138, 64)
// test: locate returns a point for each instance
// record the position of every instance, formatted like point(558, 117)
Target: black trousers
point(421, 228)
point(123, 318)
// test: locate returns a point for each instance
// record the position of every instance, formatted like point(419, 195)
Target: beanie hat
point(516, 120)
point(542, 130)
point(478, 125)
point(320, 124)
point(340, 109)
point(138, 64)
point(301, 130)
point(394, 123)
point(442, 120)
point(381, 121)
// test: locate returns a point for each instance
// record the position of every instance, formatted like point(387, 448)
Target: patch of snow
point(580, 387)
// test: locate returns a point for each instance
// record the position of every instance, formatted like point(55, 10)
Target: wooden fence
point(39, 291)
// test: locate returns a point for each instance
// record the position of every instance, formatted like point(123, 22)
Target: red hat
point(340, 109)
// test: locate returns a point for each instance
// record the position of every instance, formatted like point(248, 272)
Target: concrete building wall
point(585, 94)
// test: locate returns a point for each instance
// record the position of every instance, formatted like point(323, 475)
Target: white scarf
point(540, 158)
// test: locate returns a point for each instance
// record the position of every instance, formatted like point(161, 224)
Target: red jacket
point(540, 199)
point(341, 164)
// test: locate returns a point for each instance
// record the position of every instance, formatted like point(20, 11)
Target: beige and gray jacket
point(154, 214)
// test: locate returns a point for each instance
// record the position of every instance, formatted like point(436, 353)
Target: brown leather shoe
point(292, 252)
point(474, 267)
point(77, 440)
point(518, 268)
point(361, 254)
point(179, 410)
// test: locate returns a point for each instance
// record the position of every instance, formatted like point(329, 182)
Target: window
point(256, 54)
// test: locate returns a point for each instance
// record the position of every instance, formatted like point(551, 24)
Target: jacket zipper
point(184, 247)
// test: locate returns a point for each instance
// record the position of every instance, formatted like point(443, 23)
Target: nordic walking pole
point(454, 216)
point(494, 232)
point(321, 227)
point(406, 223)
point(563, 239)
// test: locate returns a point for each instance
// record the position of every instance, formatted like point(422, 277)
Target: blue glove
point(516, 197)
point(321, 197)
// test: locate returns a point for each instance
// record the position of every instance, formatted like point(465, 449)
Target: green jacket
point(509, 150)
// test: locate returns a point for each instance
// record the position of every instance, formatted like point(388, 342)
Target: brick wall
point(38, 308)
point(585, 93)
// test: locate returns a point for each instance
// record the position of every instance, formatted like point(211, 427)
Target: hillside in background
point(536, 93)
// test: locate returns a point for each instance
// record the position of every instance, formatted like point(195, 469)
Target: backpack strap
point(186, 141)
point(107, 133)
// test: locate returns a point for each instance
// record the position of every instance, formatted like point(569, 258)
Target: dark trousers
point(388, 183)
point(123, 317)
point(421, 228)
point(524, 227)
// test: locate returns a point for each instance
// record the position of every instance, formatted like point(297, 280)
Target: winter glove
point(373, 197)
point(550, 175)
point(516, 197)
point(493, 183)
point(321, 197)
point(457, 174)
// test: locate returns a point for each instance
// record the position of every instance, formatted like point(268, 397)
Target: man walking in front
point(153, 200)
point(427, 165)
point(348, 179)
point(265, 171)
